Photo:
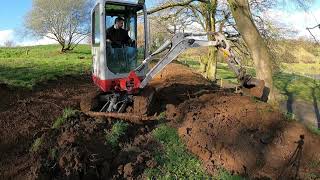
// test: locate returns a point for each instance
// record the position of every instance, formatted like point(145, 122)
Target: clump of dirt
point(244, 136)
point(79, 150)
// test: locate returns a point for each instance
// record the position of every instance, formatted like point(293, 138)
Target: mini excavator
point(122, 73)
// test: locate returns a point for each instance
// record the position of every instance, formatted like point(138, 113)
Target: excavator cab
point(113, 61)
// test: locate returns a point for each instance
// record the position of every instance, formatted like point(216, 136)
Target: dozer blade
point(139, 111)
point(254, 87)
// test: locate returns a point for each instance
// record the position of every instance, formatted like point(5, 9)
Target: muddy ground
point(222, 128)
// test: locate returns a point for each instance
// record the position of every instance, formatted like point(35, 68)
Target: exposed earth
point(222, 128)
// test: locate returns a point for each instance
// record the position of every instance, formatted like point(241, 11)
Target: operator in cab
point(116, 35)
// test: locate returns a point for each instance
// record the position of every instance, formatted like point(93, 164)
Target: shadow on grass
point(29, 76)
point(315, 102)
point(290, 97)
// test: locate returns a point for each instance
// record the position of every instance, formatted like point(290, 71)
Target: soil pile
point(177, 83)
point(245, 137)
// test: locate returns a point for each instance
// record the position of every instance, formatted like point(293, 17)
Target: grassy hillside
point(297, 56)
point(26, 66)
point(298, 51)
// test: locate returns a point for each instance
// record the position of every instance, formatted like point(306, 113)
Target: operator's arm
point(108, 34)
point(127, 37)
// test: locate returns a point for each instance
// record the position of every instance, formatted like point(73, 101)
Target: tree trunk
point(211, 68)
point(261, 57)
point(209, 64)
point(66, 49)
point(203, 64)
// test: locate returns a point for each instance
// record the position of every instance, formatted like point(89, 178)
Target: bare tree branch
point(172, 5)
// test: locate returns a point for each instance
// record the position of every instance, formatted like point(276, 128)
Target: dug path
point(222, 128)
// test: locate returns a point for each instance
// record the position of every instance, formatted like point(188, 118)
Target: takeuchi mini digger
point(120, 67)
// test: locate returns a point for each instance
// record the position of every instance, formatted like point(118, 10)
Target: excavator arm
point(183, 41)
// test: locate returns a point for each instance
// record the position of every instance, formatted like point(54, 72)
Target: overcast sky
point(13, 11)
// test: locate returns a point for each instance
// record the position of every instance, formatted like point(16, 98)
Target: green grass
point(174, 161)
point(118, 129)
point(19, 69)
point(302, 68)
point(225, 175)
point(300, 87)
point(53, 153)
point(313, 129)
point(190, 62)
point(67, 113)
point(58, 123)
point(224, 73)
point(36, 144)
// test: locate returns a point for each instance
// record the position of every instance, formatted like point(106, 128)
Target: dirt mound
point(79, 150)
point(178, 83)
point(245, 137)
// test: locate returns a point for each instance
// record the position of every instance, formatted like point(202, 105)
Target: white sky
point(298, 21)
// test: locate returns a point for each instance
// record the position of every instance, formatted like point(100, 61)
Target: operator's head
point(119, 22)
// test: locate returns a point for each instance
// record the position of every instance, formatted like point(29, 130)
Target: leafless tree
point(9, 43)
point(65, 21)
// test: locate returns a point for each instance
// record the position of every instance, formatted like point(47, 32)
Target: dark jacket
point(118, 36)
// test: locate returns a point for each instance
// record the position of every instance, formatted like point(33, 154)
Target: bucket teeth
point(140, 110)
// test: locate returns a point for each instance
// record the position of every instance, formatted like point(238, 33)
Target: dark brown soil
point(222, 128)
point(24, 114)
point(79, 150)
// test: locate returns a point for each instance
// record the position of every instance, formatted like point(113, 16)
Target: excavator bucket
point(254, 87)
point(136, 109)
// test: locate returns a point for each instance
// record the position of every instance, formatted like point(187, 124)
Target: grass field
point(27, 66)
point(301, 68)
